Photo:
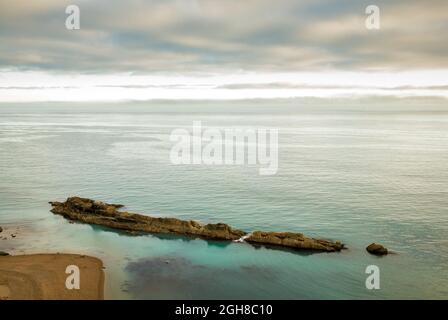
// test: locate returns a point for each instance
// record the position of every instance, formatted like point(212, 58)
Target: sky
point(221, 50)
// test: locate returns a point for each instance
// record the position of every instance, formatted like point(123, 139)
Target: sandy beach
point(43, 277)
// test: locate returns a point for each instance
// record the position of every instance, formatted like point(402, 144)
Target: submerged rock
point(104, 214)
point(293, 240)
point(377, 249)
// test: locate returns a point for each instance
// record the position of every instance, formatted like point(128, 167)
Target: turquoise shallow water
point(357, 175)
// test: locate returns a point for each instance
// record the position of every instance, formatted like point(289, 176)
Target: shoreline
point(43, 277)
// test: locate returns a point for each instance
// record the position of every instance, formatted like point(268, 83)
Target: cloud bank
point(208, 39)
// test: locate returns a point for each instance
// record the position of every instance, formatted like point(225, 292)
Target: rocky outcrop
point(377, 249)
point(100, 213)
point(293, 240)
point(3, 254)
point(104, 214)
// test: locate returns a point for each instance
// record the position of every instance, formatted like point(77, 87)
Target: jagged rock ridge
point(109, 215)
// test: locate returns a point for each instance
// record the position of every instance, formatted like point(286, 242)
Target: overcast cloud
point(197, 38)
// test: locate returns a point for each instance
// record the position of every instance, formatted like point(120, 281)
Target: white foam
point(243, 238)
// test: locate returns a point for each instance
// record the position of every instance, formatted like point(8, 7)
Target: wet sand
point(43, 277)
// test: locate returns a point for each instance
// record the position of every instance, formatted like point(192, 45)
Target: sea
point(350, 170)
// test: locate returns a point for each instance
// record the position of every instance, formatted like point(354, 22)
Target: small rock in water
point(1, 229)
point(377, 249)
point(2, 254)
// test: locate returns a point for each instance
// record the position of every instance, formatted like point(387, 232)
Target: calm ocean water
point(359, 175)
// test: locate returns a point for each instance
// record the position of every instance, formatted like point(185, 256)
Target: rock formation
point(100, 213)
point(293, 240)
point(104, 214)
point(377, 249)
